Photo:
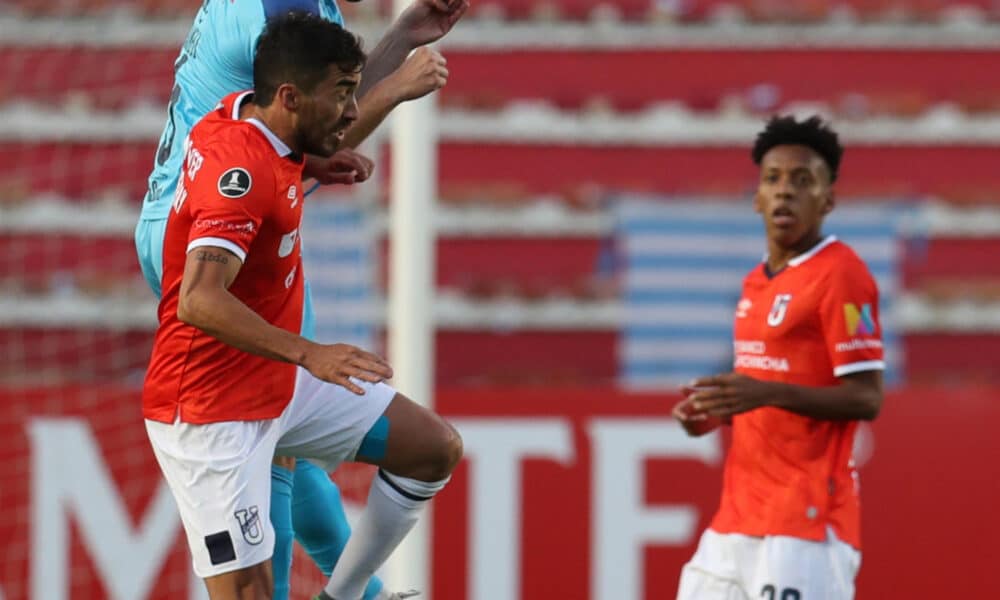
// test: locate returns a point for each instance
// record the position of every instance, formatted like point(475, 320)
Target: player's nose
point(351, 111)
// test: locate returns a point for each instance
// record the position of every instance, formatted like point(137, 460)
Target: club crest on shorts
point(249, 520)
point(778, 309)
point(235, 183)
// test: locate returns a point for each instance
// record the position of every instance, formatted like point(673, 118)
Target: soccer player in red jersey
point(808, 367)
point(231, 382)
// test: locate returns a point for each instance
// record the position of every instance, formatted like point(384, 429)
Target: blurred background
point(593, 224)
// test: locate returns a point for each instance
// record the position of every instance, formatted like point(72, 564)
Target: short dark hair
point(299, 47)
point(812, 133)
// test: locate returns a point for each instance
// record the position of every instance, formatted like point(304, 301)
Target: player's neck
point(778, 256)
point(277, 122)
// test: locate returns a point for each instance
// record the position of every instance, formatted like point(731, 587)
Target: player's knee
point(447, 453)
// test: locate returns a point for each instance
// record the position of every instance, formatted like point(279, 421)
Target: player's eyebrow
point(347, 82)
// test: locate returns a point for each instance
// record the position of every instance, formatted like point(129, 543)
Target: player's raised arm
point(422, 23)
point(422, 73)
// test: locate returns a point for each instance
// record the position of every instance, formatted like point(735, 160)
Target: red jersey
point(240, 189)
point(812, 322)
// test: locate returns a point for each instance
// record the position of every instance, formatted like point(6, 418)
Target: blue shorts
point(149, 235)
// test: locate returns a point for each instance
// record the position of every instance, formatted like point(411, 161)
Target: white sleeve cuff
point(219, 243)
point(866, 365)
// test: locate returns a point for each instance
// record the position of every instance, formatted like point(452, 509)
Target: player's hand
point(346, 167)
point(422, 73)
point(728, 394)
point(427, 21)
point(338, 363)
point(695, 424)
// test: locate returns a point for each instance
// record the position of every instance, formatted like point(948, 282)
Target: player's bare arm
point(422, 73)
point(206, 303)
point(856, 396)
point(422, 23)
point(388, 81)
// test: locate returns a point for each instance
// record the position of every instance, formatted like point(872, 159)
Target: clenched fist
point(422, 73)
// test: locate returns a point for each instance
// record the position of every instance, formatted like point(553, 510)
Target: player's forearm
point(373, 108)
point(222, 316)
point(846, 401)
point(390, 52)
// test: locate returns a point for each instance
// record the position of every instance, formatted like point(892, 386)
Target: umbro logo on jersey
point(293, 195)
point(235, 183)
point(743, 308)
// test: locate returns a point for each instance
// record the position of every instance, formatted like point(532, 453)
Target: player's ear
point(758, 205)
point(289, 96)
point(829, 201)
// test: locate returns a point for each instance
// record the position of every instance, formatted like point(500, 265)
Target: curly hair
point(299, 48)
point(812, 133)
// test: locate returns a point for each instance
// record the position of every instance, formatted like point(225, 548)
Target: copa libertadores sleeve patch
point(235, 183)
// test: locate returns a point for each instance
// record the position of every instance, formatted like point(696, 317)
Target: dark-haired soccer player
point(231, 382)
point(808, 366)
point(216, 60)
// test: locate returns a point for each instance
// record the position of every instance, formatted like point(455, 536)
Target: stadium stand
point(539, 152)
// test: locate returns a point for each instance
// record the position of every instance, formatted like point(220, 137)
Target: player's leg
point(795, 569)
point(253, 583)
point(713, 573)
point(415, 449)
point(218, 475)
point(319, 521)
point(420, 452)
point(282, 484)
point(317, 511)
point(149, 247)
point(696, 584)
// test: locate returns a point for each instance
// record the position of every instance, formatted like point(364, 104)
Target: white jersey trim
point(866, 365)
point(279, 146)
point(798, 260)
point(221, 243)
point(238, 104)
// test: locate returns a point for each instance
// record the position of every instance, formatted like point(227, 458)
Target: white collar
point(798, 260)
point(279, 146)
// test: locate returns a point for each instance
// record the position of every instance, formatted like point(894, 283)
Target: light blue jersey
point(216, 60)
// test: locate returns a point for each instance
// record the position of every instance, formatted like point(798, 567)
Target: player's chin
point(325, 148)
point(784, 235)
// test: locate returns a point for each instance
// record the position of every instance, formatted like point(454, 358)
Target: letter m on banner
point(70, 479)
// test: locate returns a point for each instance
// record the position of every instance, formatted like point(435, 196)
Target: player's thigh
point(697, 584)
point(219, 475)
point(149, 248)
point(713, 573)
point(327, 423)
point(794, 569)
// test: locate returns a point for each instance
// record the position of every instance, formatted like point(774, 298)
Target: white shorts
point(732, 566)
point(220, 474)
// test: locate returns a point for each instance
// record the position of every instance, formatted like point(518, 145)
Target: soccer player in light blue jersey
point(217, 59)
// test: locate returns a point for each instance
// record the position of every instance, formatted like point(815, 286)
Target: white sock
point(394, 506)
